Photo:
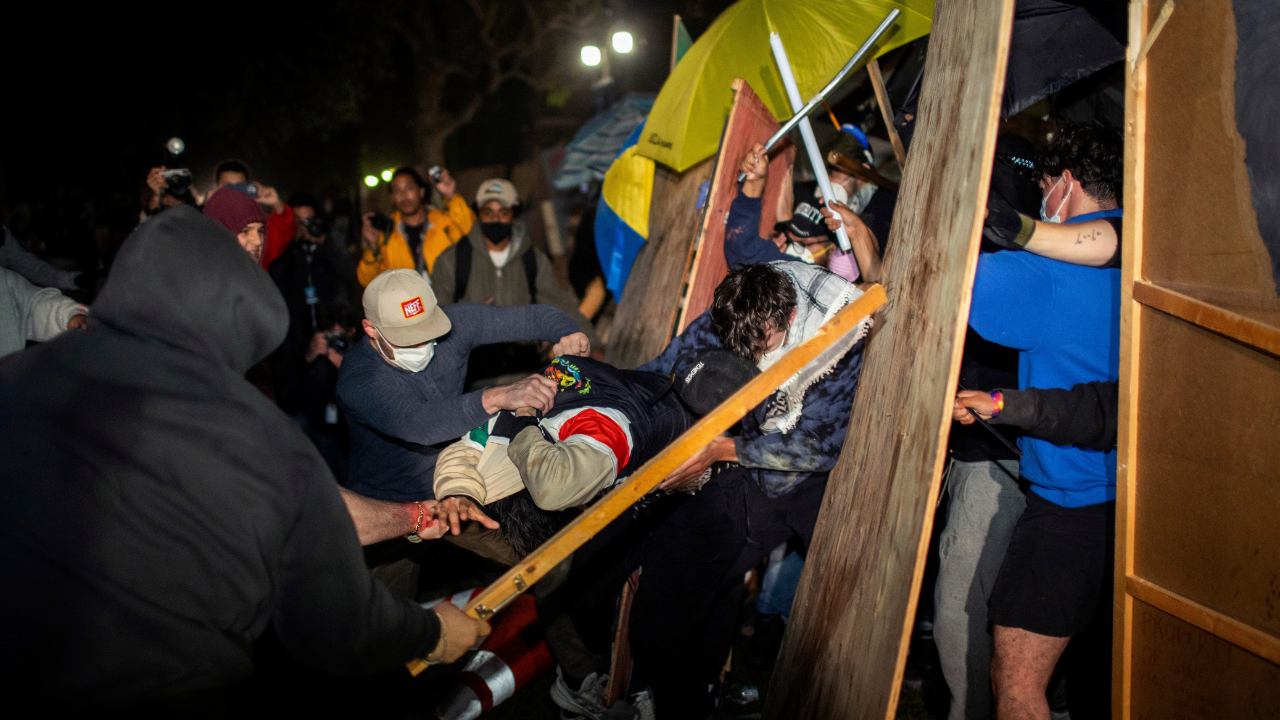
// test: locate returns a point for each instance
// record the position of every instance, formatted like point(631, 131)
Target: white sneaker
point(643, 703)
point(586, 701)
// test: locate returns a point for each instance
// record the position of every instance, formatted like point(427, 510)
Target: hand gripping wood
point(607, 509)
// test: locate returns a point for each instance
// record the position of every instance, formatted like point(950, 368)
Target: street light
point(623, 42)
point(388, 174)
point(371, 180)
point(590, 55)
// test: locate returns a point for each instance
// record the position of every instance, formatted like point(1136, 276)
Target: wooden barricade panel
point(1197, 629)
point(649, 305)
point(845, 648)
point(749, 122)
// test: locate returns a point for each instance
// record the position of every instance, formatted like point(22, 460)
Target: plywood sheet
point(846, 641)
point(1183, 673)
point(1207, 512)
point(647, 311)
point(1197, 194)
point(749, 122)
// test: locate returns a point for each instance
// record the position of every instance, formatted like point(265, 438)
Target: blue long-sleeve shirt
point(783, 460)
point(400, 420)
point(742, 242)
point(1065, 322)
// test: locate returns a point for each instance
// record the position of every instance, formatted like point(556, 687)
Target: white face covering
point(413, 359)
point(1057, 214)
point(799, 252)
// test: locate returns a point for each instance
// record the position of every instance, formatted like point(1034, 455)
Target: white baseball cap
point(404, 309)
point(497, 189)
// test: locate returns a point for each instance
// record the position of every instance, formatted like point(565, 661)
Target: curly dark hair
point(1094, 155)
point(749, 303)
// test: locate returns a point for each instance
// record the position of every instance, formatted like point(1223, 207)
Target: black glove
point(509, 424)
point(1005, 226)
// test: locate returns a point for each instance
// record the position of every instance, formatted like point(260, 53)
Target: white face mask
point(1057, 215)
point(799, 252)
point(413, 359)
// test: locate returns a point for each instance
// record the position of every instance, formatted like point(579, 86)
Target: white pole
point(806, 132)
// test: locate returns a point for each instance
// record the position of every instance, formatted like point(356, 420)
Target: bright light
point(590, 55)
point(622, 42)
point(388, 174)
point(371, 180)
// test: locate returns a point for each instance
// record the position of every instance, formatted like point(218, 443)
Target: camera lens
point(175, 146)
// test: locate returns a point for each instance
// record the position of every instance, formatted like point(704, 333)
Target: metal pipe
point(806, 132)
point(835, 81)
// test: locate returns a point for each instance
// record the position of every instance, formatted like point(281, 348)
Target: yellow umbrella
point(820, 36)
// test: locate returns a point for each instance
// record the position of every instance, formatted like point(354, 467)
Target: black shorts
point(1057, 570)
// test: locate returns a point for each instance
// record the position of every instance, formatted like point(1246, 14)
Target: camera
point(178, 180)
point(382, 222)
point(316, 226)
point(435, 173)
point(338, 341)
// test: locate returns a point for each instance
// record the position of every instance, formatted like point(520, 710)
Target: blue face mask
point(1057, 215)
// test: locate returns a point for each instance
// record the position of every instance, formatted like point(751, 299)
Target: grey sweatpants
point(985, 505)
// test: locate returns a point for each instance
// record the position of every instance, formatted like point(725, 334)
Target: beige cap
point(401, 305)
point(497, 189)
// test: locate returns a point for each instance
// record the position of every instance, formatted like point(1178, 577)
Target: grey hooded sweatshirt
point(157, 511)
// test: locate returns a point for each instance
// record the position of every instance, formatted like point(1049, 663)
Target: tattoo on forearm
point(1090, 235)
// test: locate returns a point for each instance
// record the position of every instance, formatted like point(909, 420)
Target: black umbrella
point(1054, 44)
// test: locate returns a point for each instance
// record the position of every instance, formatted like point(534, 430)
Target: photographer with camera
point(414, 236)
point(307, 381)
point(311, 272)
point(169, 188)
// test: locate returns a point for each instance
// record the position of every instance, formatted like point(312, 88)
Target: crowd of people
point(194, 457)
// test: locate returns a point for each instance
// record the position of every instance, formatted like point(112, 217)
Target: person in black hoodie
point(158, 511)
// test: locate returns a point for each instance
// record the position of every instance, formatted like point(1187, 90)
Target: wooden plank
point(1253, 333)
point(621, 661)
point(649, 305)
point(1184, 673)
point(749, 122)
point(1130, 332)
point(1207, 225)
point(1211, 621)
point(1207, 495)
point(607, 509)
point(861, 170)
point(845, 649)
point(886, 111)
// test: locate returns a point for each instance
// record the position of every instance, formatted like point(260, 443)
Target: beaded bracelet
point(997, 397)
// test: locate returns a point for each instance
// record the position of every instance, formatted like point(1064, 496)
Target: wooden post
point(846, 643)
point(646, 479)
point(886, 111)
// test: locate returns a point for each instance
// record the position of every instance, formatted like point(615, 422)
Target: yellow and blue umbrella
point(685, 123)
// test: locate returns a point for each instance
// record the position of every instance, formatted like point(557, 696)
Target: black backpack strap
point(530, 261)
point(461, 269)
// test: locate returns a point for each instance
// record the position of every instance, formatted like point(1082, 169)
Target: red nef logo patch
point(411, 308)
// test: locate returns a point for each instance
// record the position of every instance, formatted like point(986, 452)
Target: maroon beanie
point(234, 210)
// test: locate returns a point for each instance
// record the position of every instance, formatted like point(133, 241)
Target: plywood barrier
point(845, 648)
point(749, 122)
point(1197, 630)
point(647, 310)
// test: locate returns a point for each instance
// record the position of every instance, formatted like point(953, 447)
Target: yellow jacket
point(443, 230)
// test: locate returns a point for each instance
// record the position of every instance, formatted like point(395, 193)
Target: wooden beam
point(861, 170)
point(1211, 621)
point(1248, 331)
point(1135, 108)
point(846, 643)
point(607, 509)
point(886, 111)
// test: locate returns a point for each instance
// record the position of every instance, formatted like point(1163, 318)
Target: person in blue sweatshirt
point(1064, 319)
